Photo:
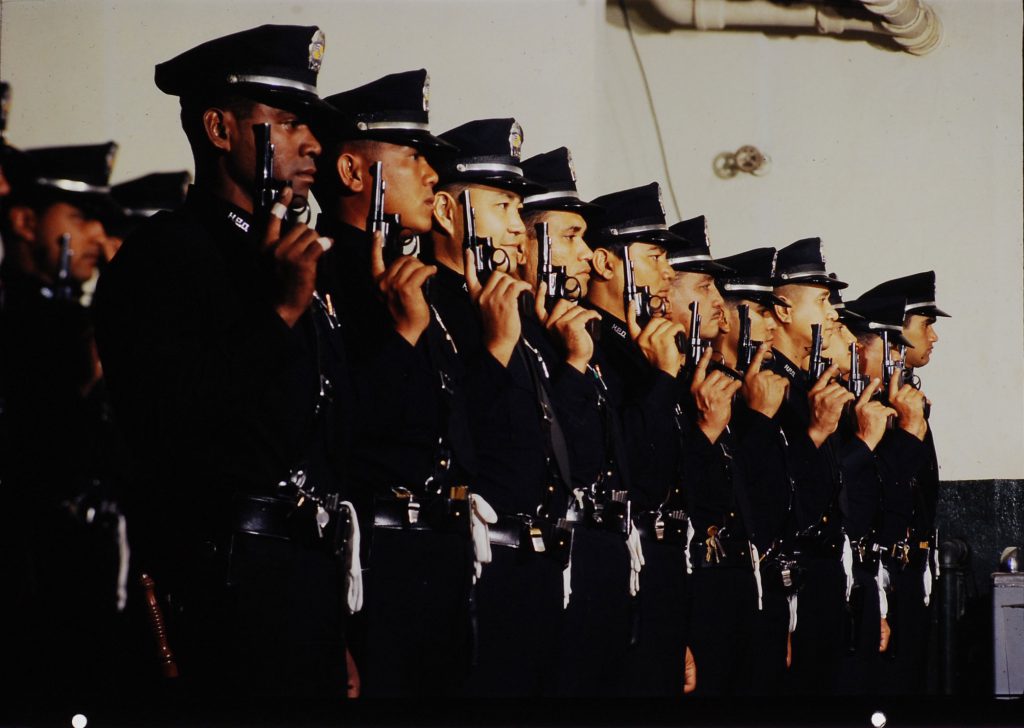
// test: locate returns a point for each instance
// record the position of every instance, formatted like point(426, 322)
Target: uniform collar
point(219, 212)
point(784, 366)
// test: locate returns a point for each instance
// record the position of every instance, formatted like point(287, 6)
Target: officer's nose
point(516, 226)
point(585, 253)
point(932, 335)
point(430, 176)
point(832, 314)
point(310, 145)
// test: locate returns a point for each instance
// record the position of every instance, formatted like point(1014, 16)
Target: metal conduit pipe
point(910, 23)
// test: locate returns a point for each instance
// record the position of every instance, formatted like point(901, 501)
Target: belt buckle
point(536, 538)
point(659, 528)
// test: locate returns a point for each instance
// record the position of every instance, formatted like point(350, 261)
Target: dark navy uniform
point(724, 592)
point(645, 399)
point(597, 620)
point(818, 639)
point(63, 466)
point(517, 601)
point(909, 515)
point(412, 451)
point(230, 412)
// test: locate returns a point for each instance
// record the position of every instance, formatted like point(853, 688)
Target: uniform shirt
point(645, 399)
point(400, 406)
point(814, 470)
point(508, 436)
point(216, 392)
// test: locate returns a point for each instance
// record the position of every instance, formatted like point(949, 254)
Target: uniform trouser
point(904, 668)
point(517, 605)
point(818, 639)
point(596, 629)
point(724, 618)
point(276, 630)
point(860, 663)
point(416, 621)
point(655, 664)
point(768, 643)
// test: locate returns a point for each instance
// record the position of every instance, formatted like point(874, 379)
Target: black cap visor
point(931, 311)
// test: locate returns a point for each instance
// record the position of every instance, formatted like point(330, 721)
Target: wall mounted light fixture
point(748, 159)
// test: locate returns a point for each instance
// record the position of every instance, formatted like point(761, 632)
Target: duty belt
point(300, 521)
point(670, 526)
point(531, 533)
point(867, 554)
point(912, 552)
point(612, 513)
point(443, 514)
point(720, 552)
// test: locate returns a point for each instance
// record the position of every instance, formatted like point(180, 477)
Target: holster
point(448, 513)
point(553, 540)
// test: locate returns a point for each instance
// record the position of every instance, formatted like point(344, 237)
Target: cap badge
point(775, 259)
point(707, 240)
point(661, 203)
point(515, 140)
point(572, 167)
point(316, 50)
point(821, 253)
point(426, 93)
point(111, 155)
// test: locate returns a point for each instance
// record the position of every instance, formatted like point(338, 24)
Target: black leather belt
point(262, 516)
point(670, 528)
point(437, 513)
point(538, 535)
point(730, 554)
point(815, 548)
point(287, 520)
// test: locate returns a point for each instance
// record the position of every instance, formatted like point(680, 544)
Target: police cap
point(273, 64)
point(693, 255)
point(803, 263)
point(556, 172)
point(633, 215)
point(76, 174)
point(919, 290)
point(879, 312)
point(750, 277)
point(393, 109)
point(489, 153)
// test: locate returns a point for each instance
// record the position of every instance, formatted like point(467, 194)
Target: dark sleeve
point(861, 487)
point(760, 454)
point(651, 437)
point(900, 456)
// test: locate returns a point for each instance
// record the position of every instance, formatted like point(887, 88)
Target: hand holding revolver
point(401, 285)
point(713, 394)
point(294, 255)
point(498, 302)
point(657, 341)
point(872, 416)
point(827, 399)
point(764, 390)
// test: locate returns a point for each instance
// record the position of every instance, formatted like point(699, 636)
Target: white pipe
point(909, 22)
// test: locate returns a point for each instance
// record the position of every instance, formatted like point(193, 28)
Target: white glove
point(755, 560)
point(689, 540)
point(353, 565)
point(567, 584)
point(480, 515)
point(882, 579)
point(792, 612)
point(848, 565)
point(927, 582)
point(636, 559)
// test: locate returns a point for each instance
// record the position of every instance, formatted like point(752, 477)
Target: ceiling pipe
point(911, 23)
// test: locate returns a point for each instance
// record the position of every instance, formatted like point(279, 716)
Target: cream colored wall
point(899, 163)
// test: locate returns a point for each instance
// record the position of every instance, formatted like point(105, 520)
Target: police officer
point(759, 451)
point(639, 361)
point(521, 484)
point(227, 374)
point(808, 417)
point(64, 464)
point(412, 455)
point(858, 439)
point(596, 635)
point(913, 577)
